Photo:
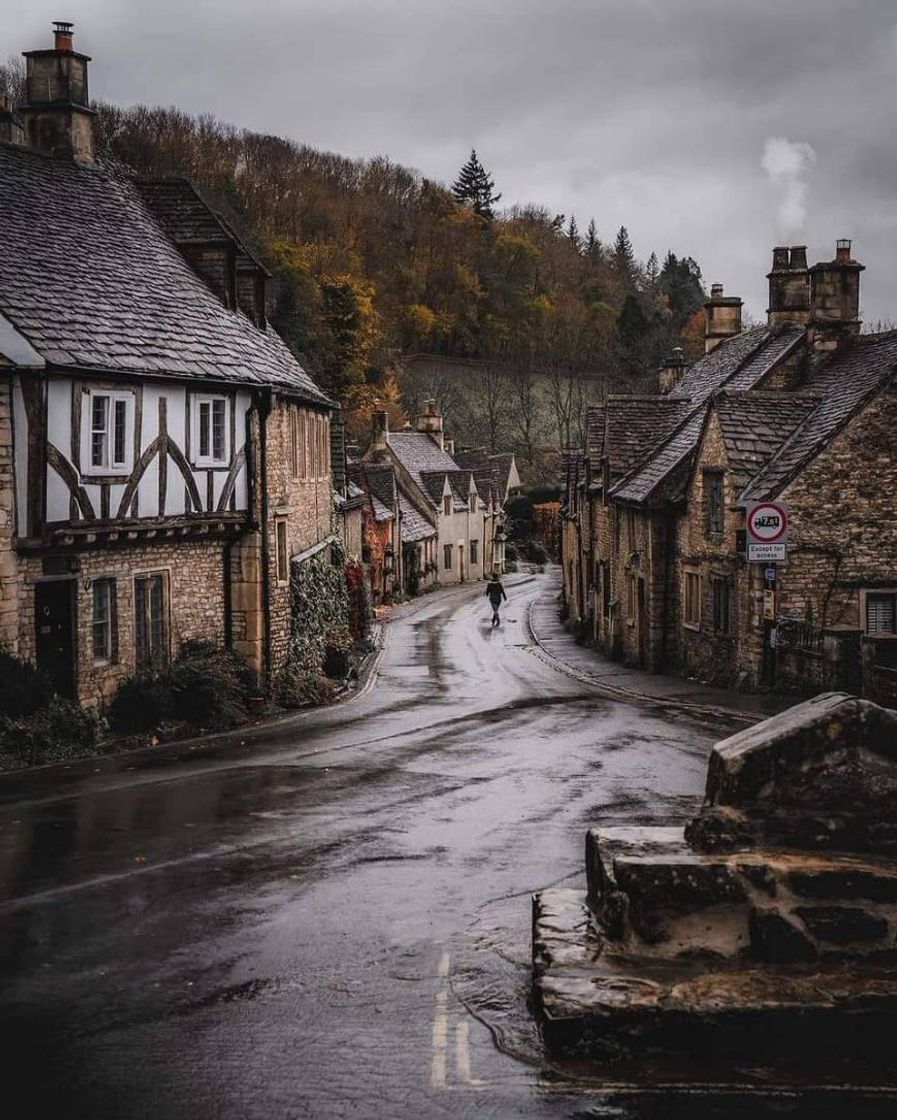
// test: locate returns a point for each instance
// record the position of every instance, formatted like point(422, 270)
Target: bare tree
point(12, 79)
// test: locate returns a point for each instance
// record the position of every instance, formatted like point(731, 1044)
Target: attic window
point(713, 489)
point(447, 505)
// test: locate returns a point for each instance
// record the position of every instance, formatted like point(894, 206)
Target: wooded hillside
point(375, 264)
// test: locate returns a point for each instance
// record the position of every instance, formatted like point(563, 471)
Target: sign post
point(767, 532)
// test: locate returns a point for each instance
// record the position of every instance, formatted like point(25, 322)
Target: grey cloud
point(651, 113)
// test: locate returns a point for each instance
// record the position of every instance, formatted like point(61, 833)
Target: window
point(299, 444)
point(151, 620)
point(447, 557)
point(473, 507)
point(109, 431)
point(447, 505)
point(210, 431)
point(630, 529)
point(881, 614)
point(692, 600)
point(720, 589)
point(631, 598)
point(474, 552)
point(103, 626)
point(283, 556)
point(713, 488)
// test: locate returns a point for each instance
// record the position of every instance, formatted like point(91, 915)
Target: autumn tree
point(623, 259)
point(474, 187)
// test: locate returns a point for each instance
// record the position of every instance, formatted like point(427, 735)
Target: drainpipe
point(264, 411)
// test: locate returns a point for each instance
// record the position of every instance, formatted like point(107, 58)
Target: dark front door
point(54, 610)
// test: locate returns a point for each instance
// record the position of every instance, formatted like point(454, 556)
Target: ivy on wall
point(320, 603)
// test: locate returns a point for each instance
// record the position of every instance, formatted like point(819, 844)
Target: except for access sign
point(767, 531)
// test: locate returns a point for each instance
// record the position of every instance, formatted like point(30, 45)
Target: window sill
point(106, 474)
point(695, 627)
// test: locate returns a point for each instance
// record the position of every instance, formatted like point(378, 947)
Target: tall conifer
point(474, 187)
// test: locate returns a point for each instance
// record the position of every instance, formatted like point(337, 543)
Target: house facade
point(797, 411)
point(163, 457)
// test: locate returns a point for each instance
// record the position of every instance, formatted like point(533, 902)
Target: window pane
point(157, 620)
point(203, 429)
point(140, 623)
point(119, 432)
point(102, 620)
point(218, 411)
point(880, 614)
point(282, 559)
point(99, 416)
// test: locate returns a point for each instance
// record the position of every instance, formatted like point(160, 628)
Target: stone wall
point(8, 567)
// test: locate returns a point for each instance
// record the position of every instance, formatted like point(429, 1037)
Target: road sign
point(769, 574)
point(767, 532)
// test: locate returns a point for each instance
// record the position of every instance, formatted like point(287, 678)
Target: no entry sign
point(767, 531)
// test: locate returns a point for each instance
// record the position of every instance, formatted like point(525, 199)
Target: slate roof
point(92, 281)
point(739, 363)
point(845, 383)
point(503, 461)
point(755, 424)
point(426, 462)
point(490, 475)
point(415, 527)
point(378, 481)
point(634, 425)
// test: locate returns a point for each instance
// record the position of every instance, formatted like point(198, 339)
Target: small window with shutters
point(881, 614)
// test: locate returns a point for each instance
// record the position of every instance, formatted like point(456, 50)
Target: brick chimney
point(673, 370)
point(723, 317)
point(789, 287)
point(430, 421)
point(379, 431)
point(57, 113)
point(834, 300)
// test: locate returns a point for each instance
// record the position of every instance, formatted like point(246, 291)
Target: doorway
point(461, 561)
point(54, 616)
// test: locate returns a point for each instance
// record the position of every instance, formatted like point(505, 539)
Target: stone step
point(599, 1003)
point(647, 887)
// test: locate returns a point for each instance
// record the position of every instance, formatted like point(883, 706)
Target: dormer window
point(107, 426)
point(473, 503)
point(713, 484)
point(447, 505)
point(209, 435)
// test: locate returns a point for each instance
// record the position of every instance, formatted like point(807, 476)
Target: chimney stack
point(431, 421)
point(57, 112)
point(723, 317)
point(380, 431)
point(673, 370)
point(834, 300)
point(789, 287)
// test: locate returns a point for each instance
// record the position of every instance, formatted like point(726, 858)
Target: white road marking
point(441, 1026)
point(462, 1055)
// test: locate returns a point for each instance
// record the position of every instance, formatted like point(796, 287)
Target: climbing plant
point(320, 604)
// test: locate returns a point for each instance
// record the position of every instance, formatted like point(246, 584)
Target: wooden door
point(54, 611)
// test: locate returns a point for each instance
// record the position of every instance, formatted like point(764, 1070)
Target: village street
point(328, 916)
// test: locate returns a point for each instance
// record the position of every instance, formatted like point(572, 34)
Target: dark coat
point(495, 591)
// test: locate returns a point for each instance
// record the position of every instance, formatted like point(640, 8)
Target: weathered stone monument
point(767, 929)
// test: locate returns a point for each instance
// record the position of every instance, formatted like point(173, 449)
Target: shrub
point(298, 688)
point(537, 554)
point(23, 687)
point(511, 551)
point(57, 732)
point(206, 686)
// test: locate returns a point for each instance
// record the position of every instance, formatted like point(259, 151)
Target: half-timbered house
point(163, 456)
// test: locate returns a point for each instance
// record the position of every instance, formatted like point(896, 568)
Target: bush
point(23, 687)
point(58, 732)
point(206, 686)
point(297, 688)
point(511, 551)
point(536, 554)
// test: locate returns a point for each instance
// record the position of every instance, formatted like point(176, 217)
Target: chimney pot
point(780, 257)
point(842, 249)
point(716, 291)
point(63, 35)
point(798, 257)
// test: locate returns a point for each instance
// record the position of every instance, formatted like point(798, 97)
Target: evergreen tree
point(623, 258)
point(593, 244)
point(680, 281)
point(474, 187)
point(652, 274)
point(573, 234)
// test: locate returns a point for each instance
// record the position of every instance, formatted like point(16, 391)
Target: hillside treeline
point(374, 263)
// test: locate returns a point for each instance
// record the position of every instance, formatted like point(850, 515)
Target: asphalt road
point(329, 916)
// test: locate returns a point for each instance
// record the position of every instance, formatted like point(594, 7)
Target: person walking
point(495, 593)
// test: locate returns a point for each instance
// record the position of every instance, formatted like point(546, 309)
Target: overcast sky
point(650, 113)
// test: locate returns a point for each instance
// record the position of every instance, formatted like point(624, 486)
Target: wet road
point(328, 916)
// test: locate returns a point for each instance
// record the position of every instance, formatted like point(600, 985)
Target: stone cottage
point(163, 457)
point(798, 410)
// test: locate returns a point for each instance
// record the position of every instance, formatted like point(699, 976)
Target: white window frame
point(105, 584)
point(864, 612)
point(121, 467)
point(197, 400)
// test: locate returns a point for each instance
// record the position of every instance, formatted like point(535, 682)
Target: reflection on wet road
point(327, 916)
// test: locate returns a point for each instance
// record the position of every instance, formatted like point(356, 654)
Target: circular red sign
point(767, 522)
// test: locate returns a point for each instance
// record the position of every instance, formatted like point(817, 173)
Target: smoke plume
point(787, 164)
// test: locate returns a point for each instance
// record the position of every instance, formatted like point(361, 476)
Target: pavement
point(590, 666)
point(329, 915)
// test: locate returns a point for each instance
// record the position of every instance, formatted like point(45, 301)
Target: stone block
point(842, 925)
point(778, 939)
